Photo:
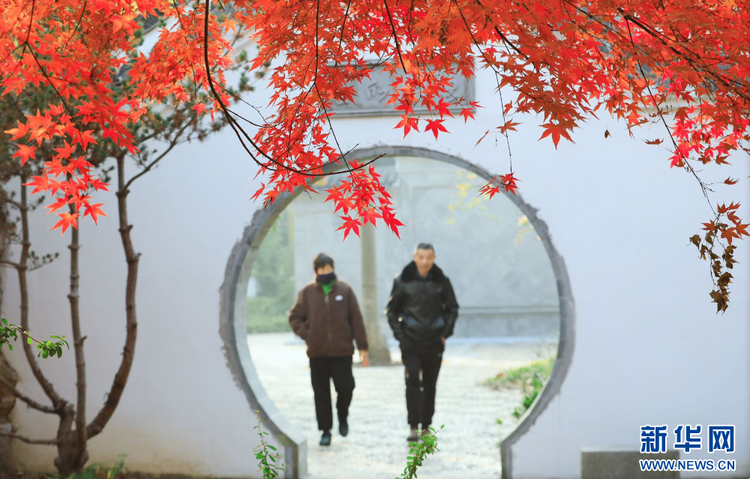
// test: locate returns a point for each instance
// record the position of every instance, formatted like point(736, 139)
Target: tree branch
point(9, 263)
point(148, 168)
point(128, 350)
point(33, 404)
point(49, 390)
point(75, 319)
point(12, 202)
point(48, 442)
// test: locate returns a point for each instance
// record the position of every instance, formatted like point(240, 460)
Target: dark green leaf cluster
point(46, 349)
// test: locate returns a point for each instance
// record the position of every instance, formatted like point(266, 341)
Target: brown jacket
point(328, 324)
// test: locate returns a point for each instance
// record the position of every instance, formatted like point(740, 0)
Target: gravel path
point(376, 446)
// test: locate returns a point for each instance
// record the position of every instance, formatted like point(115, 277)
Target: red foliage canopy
point(566, 60)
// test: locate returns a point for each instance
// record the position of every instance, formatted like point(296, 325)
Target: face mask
point(325, 278)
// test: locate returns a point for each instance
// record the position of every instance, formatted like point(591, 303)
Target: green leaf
point(5, 322)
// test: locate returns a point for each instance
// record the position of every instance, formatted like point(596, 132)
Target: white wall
point(648, 348)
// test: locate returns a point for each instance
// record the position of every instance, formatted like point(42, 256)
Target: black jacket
point(422, 309)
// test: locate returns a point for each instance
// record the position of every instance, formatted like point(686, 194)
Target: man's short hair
point(424, 246)
point(321, 261)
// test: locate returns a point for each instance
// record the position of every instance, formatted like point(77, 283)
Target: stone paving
point(376, 446)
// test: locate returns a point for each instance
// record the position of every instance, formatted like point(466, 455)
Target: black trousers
point(421, 388)
point(322, 370)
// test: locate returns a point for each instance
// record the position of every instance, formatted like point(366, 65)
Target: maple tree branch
point(73, 116)
point(317, 89)
point(192, 68)
point(230, 120)
point(153, 163)
point(47, 387)
point(497, 82)
point(78, 25)
point(31, 20)
point(31, 403)
point(664, 40)
point(502, 36)
point(696, 58)
point(505, 122)
point(685, 161)
point(395, 36)
point(243, 118)
point(25, 43)
point(343, 27)
point(46, 442)
point(237, 128)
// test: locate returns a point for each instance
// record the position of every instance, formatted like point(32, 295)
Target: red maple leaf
point(25, 152)
point(99, 184)
point(56, 205)
point(350, 224)
point(66, 220)
point(509, 181)
point(65, 152)
point(442, 108)
point(369, 215)
point(40, 183)
point(435, 126)
point(95, 211)
point(407, 123)
point(199, 108)
point(467, 113)
point(84, 138)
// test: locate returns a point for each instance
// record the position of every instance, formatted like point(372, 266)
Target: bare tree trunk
point(72, 451)
point(379, 354)
point(128, 351)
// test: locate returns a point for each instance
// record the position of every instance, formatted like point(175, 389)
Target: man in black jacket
point(422, 312)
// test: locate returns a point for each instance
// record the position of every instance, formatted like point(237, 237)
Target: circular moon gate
point(234, 333)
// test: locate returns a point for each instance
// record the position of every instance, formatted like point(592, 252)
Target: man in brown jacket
point(326, 315)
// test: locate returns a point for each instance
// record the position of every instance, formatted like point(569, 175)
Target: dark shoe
point(325, 439)
point(343, 428)
point(413, 436)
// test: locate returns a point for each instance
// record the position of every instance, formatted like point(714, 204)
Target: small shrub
point(530, 379)
point(418, 452)
point(266, 459)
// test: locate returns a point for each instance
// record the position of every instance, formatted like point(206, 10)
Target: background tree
point(273, 278)
point(158, 131)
